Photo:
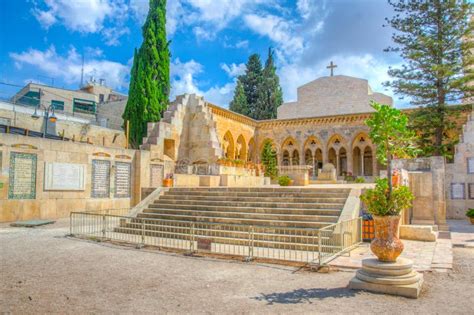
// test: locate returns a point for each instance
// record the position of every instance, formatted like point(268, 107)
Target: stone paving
point(462, 233)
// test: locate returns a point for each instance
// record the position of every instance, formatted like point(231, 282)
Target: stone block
point(209, 181)
point(423, 233)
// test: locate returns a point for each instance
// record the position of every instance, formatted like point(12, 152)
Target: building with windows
point(83, 102)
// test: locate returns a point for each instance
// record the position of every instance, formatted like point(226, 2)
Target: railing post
point(191, 243)
point(319, 247)
point(251, 242)
point(103, 226)
point(143, 232)
point(341, 231)
point(360, 230)
point(70, 223)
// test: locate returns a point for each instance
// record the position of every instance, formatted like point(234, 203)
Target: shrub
point(284, 180)
point(470, 213)
point(360, 180)
point(380, 202)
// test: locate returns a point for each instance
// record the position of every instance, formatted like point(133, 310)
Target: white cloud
point(233, 70)
point(68, 68)
point(85, 16)
point(183, 80)
point(279, 30)
point(304, 8)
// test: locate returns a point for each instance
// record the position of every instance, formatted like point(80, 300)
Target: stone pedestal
point(397, 278)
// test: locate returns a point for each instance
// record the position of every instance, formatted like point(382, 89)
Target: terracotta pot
point(472, 220)
point(168, 182)
point(386, 245)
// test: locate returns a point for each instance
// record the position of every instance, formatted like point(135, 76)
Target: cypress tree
point(269, 160)
point(251, 81)
point(239, 103)
point(270, 94)
point(431, 36)
point(150, 75)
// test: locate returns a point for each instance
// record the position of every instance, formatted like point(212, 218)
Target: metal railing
point(301, 245)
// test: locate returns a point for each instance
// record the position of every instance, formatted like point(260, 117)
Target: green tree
point(431, 37)
point(239, 103)
point(251, 81)
point(269, 160)
point(270, 95)
point(150, 75)
point(391, 135)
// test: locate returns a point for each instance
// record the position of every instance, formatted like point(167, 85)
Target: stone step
point(340, 200)
point(177, 194)
point(239, 220)
point(245, 215)
point(273, 205)
point(259, 189)
point(267, 210)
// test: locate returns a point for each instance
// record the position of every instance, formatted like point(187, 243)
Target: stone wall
point(336, 95)
point(42, 198)
point(460, 175)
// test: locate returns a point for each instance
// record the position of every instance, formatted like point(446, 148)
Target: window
point(59, 105)
point(84, 106)
point(31, 98)
point(470, 165)
point(101, 98)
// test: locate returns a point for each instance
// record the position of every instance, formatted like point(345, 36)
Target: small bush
point(470, 213)
point(284, 180)
point(360, 180)
point(381, 203)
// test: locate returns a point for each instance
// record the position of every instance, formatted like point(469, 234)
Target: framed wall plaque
point(123, 172)
point(100, 186)
point(22, 180)
point(64, 176)
point(470, 165)
point(470, 190)
point(458, 191)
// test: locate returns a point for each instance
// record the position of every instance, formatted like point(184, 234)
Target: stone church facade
point(325, 125)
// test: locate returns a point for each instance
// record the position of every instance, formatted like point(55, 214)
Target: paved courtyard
point(44, 272)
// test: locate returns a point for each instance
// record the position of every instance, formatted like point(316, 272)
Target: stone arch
point(357, 167)
point(342, 161)
point(290, 145)
point(228, 146)
point(285, 158)
point(368, 161)
point(295, 157)
point(312, 143)
point(361, 140)
point(335, 145)
point(251, 150)
point(241, 149)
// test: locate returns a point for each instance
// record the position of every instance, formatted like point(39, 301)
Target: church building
point(325, 125)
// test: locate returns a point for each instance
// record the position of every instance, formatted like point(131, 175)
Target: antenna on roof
point(82, 71)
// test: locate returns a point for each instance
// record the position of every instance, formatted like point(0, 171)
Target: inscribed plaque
point(457, 191)
point(100, 187)
point(470, 165)
point(64, 176)
point(122, 179)
point(22, 176)
point(156, 175)
point(471, 190)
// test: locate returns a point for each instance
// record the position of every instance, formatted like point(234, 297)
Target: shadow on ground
point(305, 295)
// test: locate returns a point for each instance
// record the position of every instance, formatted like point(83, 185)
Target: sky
point(44, 41)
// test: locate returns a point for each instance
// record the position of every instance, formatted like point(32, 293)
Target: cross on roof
point(332, 66)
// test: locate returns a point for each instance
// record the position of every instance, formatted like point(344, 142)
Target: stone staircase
point(284, 218)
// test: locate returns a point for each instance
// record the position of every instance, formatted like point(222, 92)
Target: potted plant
point(285, 180)
point(390, 133)
point(168, 180)
point(470, 215)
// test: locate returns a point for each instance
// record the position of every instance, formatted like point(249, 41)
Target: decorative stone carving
point(22, 183)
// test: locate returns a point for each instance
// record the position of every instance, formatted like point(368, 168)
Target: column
point(337, 164)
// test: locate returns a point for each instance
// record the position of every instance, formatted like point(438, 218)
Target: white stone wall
point(337, 95)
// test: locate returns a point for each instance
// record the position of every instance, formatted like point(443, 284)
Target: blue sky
point(210, 41)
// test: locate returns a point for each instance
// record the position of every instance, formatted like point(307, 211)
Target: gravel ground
point(44, 272)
